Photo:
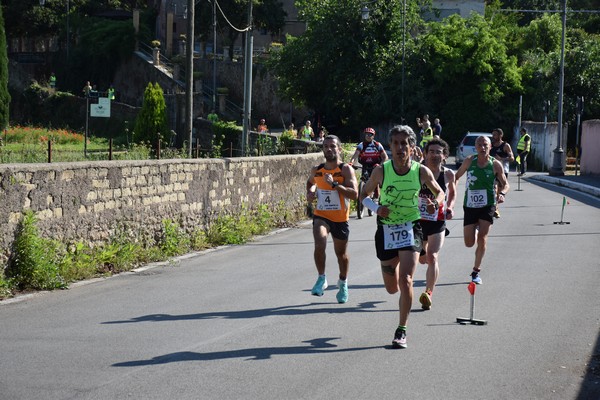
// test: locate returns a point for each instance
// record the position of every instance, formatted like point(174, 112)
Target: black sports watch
point(334, 184)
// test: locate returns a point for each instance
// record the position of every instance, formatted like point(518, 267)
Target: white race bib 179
point(398, 236)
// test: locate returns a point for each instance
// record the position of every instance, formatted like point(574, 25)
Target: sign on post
point(102, 109)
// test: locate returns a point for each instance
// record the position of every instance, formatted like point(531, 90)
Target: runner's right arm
point(376, 179)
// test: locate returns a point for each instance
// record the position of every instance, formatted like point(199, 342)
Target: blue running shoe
point(320, 286)
point(342, 294)
point(475, 278)
point(399, 341)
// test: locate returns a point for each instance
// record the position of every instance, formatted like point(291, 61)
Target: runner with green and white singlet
point(481, 198)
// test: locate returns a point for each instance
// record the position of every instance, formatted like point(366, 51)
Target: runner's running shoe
point(342, 294)
point(320, 286)
point(425, 301)
point(475, 278)
point(399, 341)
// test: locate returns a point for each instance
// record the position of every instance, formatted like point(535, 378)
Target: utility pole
point(546, 108)
point(403, 58)
point(214, 77)
point(248, 81)
point(189, 75)
point(557, 162)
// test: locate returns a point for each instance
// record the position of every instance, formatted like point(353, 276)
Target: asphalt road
point(240, 323)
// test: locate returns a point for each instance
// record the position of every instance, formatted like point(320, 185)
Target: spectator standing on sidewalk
point(262, 126)
point(87, 89)
point(437, 128)
point(523, 148)
point(426, 130)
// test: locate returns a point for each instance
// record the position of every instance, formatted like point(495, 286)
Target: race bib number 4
point(328, 200)
point(398, 236)
point(477, 198)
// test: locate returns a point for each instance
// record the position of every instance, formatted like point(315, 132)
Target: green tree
point(29, 19)
point(460, 69)
point(344, 67)
point(152, 118)
point(102, 47)
point(4, 95)
point(538, 47)
point(467, 74)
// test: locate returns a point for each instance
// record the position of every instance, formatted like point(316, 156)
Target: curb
point(170, 261)
point(594, 191)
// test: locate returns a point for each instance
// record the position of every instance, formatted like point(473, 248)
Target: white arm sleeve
point(370, 204)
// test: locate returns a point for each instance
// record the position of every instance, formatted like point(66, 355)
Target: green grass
point(39, 263)
point(24, 144)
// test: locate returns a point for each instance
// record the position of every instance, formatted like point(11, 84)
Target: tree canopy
point(469, 72)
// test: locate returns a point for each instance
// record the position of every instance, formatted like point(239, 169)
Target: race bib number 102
point(477, 198)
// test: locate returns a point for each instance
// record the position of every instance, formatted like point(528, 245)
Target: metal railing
point(164, 62)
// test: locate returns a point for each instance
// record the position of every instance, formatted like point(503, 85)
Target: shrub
point(5, 287)
point(152, 119)
point(174, 241)
point(238, 229)
point(225, 135)
point(33, 259)
point(286, 139)
point(38, 263)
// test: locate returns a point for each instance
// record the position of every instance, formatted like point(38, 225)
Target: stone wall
point(91, 201)
point(544, 139)
point(590, 147)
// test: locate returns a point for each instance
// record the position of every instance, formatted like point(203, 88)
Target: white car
point(467, 146)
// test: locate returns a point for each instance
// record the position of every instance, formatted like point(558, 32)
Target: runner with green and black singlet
point(434, 225)
point(481, 198)
point(398, 238)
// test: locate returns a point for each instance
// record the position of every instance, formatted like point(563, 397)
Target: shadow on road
point(315, 346)
point(300, 309)
point(590, 388)
point(569, 193)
